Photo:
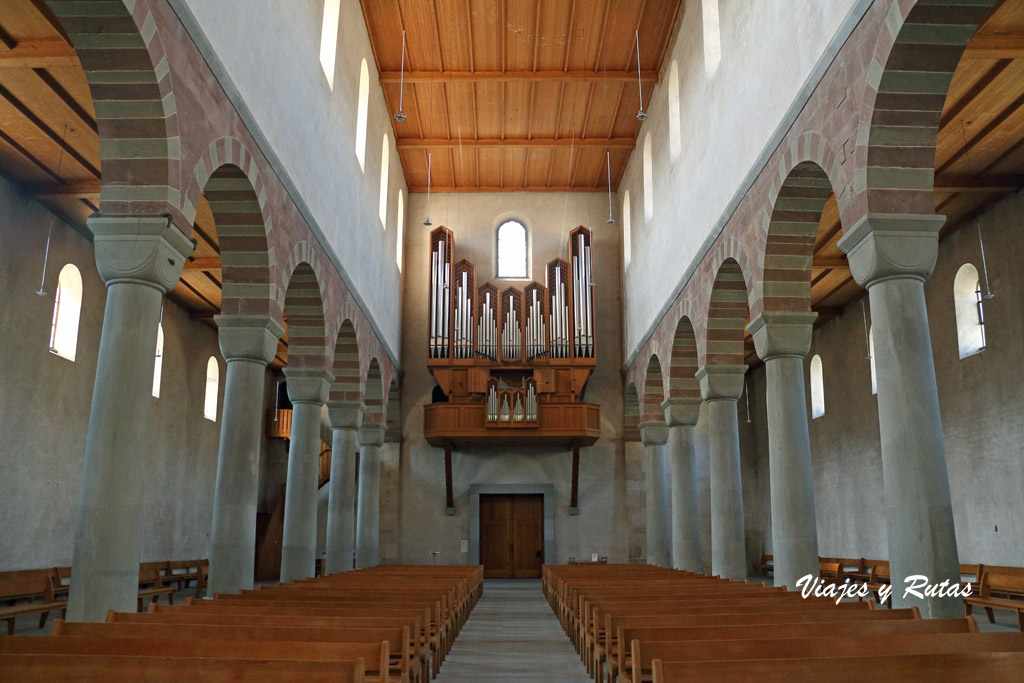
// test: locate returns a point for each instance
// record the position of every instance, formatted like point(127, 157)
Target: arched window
point(401, 229)
point(817, 389)
point(648, 180)
point(329, 39)
point(67, 310)
point(627, 247)
point(712, 37)
point(384, 171)
point(212, 387)
point(512, 249)
point(970, 313)
point(675, 138)
point(361, 112)
point(871, 359)
point(158, 364)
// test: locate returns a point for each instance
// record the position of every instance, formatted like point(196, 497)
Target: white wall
point(271, 51)
point(769, 48)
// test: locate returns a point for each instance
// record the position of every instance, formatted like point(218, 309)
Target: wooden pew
point(765, 564)
point(151, 585)
point(41, 602)
point(999, 585)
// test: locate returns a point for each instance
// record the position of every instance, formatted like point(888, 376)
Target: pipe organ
point(513, 364)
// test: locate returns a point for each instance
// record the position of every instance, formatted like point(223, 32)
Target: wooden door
point(512, 535)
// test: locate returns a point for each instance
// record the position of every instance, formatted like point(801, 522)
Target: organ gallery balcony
point(467, 424)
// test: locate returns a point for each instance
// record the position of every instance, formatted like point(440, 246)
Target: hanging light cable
point(641, 115)
point(984, 265)
point(427, 222)
point(400, 114)
point(608, 158)
point(867, 333)
point(49, 234)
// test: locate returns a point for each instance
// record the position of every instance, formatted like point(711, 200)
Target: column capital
point(653, 433)
point(248, 337)
point(346, 414)
point(892, 246)
point(680, 412)
point(148, 250)
point(308, 385)
point(372, 434)
point(779, 334)
point(719, 382)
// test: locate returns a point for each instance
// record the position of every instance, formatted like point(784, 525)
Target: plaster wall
point(726, 121)
point(45, 402)
point(602, 525)
point(980, 397)
point(311, 128)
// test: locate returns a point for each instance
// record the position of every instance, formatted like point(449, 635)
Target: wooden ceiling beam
point(995, 46)
point(41, 54)
point(981, 184)
point(512, 188)
point(830, 262)
point(441, 143)
point(83, 190)
point(515, 76)
point(203, 263)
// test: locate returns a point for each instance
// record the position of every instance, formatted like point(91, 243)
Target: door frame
point(547, 490)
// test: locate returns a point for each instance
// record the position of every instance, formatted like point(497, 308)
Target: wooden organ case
point(512, 364)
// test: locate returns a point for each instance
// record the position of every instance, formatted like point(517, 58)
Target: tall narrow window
point(158, 364)
point(712, 37)
point(512, 249)
point(212, 387)
point(329, 39)
point(401, 229)
point(67, 310)
point(648, 180)
point(361, 112)
point(970, 313)
point(384, 171)
point(627, 247)
point(675, 138)
point(817, 389)
point(871, 359)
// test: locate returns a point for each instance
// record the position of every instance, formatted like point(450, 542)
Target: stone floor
point(512, 636)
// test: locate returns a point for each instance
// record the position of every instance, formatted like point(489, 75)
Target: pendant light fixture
point(427, 222)
point(608, 158)
point(400, 114)
point(641, 115)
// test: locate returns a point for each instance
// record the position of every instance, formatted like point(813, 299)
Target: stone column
point(247, 343)
point(659, 550)
point(892, 255)
point(346, 417)
point(307, 390)
point(140, 259)
point(681, 416)
point(371, 437)
point(721, 386)
point(782, 339)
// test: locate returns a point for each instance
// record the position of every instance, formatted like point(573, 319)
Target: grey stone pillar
point(721, 386)
point(659, 539)
point(247, 343)
point(892, 256)
point(307, 390)
point(140, 259)
point(346, 417)
point(782, 340)
point(371, 438)
point(681, 415)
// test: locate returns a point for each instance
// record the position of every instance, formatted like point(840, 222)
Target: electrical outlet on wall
point(465, 546)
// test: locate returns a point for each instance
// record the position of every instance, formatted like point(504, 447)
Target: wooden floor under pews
point(393, 624)
point(631, 623)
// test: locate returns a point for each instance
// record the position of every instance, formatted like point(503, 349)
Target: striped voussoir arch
point(126, 67)
point(654, 392)
point(682, 382)
point(727, 316)
point(373, 395)
point(631, 414)
point(304, 319)
point(346, 386)
point(789, 246)
point(910, 76)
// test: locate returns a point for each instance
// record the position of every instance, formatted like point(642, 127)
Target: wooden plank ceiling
point(50, 147)
point(517, 94)
point(979, 156)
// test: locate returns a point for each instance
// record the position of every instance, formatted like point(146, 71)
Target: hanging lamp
point(400, 114)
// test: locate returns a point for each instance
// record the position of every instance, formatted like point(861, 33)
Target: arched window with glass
point(675, 135)
point(212, 389)
point(67, 311)
point(648, 180)
point(512, 250)
point(817, 388)
point(627, 245)
point(970, 311)
point(385, 171)
point(871, 360)
point(158, 361)
point(363, 105)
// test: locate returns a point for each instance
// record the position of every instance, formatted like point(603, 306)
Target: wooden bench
point(151, 585)
point(765, 564)
point(41, 600)
point(998, 586)
point(183, 572)
point(46, 668)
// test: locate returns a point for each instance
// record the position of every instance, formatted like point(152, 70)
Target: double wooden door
point(512, 535)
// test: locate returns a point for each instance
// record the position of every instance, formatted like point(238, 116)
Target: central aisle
point(511, 636)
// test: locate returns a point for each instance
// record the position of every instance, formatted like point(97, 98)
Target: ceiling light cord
point(400, 114)
point(641, 115)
